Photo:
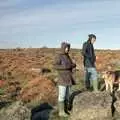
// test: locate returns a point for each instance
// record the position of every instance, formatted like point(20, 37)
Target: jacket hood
point(64, 45)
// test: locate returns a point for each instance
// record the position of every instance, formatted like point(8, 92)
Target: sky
point(38, 23)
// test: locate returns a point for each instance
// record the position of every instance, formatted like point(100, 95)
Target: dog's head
point(107, 75)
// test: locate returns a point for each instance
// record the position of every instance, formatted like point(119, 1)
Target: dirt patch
point(39, 89)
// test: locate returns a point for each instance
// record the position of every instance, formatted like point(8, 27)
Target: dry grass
point(15, 65)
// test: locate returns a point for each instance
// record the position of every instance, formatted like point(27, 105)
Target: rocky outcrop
point(16, 111)
point(92, 106)
point(86, 106)
point(117, 106)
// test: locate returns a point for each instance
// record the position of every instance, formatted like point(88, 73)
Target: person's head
point(92, 38)
point(65, 47)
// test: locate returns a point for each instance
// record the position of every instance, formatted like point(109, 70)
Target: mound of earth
point(39, 89)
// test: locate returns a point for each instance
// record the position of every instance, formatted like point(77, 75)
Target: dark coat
point(88, 54)
point(64, 66)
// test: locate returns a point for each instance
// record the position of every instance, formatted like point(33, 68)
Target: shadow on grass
point(4, 104)
point(69, 104)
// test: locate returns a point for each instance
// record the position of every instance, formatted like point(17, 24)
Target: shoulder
point(58, 55)
point(85, 44)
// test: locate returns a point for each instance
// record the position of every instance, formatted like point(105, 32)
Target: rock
point(117, 106)
point(41, 70)
point(16, 111)
point(92, 106)
point(45, 70)
point(13, 90)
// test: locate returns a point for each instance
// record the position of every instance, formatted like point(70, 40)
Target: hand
point(97, 57)
point(73, 65)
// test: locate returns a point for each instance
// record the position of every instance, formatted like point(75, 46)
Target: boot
point(95, 85)
point(67, 107)
point(61, 110)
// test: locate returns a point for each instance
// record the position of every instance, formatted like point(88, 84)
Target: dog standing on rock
point(111, 78)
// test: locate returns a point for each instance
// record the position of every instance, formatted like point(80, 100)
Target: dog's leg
point(119, 85)
point(106, 84)
point(111, 87)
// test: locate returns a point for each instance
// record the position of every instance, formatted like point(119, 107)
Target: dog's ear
point(108, 72)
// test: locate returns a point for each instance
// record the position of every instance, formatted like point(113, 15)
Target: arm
point(73, 63)
point(59, 66)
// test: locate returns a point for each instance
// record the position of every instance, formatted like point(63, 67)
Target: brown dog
point(111, 78)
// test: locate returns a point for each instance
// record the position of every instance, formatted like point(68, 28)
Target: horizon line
point(45, 47)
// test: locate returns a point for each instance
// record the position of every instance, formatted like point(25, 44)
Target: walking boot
point(61, 110)
point(95, 85)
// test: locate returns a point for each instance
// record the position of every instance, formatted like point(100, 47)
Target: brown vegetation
point(16, 65)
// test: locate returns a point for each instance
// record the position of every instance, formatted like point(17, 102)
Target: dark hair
point(90, 36)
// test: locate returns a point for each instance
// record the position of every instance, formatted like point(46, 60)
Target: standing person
point(89, 63)
point(64, 66)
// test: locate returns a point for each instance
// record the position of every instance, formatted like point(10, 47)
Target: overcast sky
point(37, 23)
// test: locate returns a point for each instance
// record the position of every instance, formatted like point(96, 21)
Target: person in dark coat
point(64, 65)
point(89, 63)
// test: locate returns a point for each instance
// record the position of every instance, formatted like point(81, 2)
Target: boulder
point(117, 106)
point(92, 106)
point(15, 111)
